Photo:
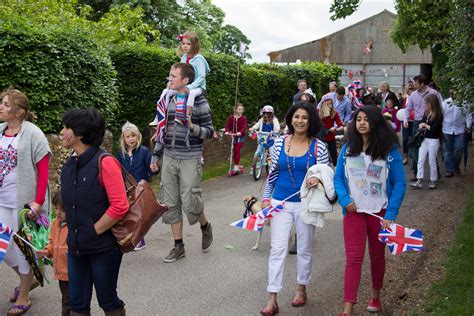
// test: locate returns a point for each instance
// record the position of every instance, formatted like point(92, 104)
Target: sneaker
point(416, 185)
point(176, 253)
point(449, 175)
point(374, 305)
point(432, 185)
point(141, 245)
point(207, 238)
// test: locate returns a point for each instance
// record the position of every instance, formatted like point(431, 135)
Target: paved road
point(221, 282)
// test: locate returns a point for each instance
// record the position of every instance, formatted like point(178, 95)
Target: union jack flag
point(255, 222)
point(5, 235)
point(161, 107)
point(400, 239)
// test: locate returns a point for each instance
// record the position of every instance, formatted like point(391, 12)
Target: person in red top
point(236, 126)
point(330, 119)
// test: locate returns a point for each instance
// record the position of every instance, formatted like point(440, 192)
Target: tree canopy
point(172, 17)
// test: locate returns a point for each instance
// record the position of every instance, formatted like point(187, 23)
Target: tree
point(172, 17)
point(230, 40)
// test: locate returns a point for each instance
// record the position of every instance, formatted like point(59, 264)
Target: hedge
point(64, 68)
point(58, 70)
point(142, 70)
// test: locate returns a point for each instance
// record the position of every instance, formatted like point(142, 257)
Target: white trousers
point(280, 228)
point(13, 257)
point(429, 147)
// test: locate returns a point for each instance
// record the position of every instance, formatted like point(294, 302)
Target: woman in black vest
point(93, 204)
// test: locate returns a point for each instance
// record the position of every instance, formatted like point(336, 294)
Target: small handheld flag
point(5, 235)
point(255, 222)
point(401, 239)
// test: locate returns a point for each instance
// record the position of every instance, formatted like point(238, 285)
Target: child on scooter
point(235, 127)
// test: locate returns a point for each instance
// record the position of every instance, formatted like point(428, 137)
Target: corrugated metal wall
point(372, 75)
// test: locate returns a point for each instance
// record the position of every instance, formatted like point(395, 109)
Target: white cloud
point(276, 24)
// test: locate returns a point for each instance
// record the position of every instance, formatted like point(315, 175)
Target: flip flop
point(16, 291)
point(23, 309)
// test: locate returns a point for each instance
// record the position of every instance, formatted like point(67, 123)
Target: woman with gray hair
point(385, 94)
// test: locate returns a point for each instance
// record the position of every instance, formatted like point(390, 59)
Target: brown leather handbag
point(144, 210)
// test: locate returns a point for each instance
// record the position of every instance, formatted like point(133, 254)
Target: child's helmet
point(268, 109)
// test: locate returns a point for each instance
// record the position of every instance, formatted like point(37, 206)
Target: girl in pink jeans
point(369, 179)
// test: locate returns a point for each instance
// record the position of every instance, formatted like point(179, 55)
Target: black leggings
point(332, 151)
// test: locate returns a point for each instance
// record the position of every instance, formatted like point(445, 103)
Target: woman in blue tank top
point(294, 154)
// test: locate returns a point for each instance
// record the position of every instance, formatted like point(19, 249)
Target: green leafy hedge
point(142, 70)
point(64, 68)
point(58, 70)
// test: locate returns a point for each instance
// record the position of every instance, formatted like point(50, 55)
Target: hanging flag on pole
point(5, 235)
point(242, 49)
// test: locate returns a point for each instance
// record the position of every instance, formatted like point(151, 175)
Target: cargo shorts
point(180, 189)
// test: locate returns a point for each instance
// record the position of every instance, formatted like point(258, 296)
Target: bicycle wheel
point(257, 166)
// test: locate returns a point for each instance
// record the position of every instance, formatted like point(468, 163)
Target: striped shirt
point(175, 144)
point(275, 151)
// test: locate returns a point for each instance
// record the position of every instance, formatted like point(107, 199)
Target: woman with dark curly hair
point(293, 155)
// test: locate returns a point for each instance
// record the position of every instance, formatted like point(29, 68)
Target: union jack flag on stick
point(255, 222)
point(161, 108)
point(401, 239)
point(5, 235)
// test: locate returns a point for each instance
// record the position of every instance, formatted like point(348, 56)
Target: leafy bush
point(58, 70)
point(142, 70)
point(142, 73)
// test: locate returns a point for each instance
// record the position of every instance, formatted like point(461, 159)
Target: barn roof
point(349, 46)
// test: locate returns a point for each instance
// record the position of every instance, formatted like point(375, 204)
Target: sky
point(272, 25)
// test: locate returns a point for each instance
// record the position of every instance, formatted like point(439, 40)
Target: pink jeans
point(359, 227)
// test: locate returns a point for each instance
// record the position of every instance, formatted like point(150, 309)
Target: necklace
point(294, 161)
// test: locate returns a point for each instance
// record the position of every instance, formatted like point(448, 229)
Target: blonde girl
point(136, 159)
point(330, 119)
point(188, 49)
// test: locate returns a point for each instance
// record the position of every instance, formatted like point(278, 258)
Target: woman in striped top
point(292, 155)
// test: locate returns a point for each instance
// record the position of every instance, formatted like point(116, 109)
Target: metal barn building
point(364, 51)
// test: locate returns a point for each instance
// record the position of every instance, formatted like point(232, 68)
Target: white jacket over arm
point(315, 200)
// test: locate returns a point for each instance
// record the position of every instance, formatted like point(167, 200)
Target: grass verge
point(455, 294)
point(220, 169)
point(213, 171)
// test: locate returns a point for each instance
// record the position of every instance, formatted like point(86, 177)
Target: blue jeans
point(100, 270)
point(406, 133)
point(453, 148)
